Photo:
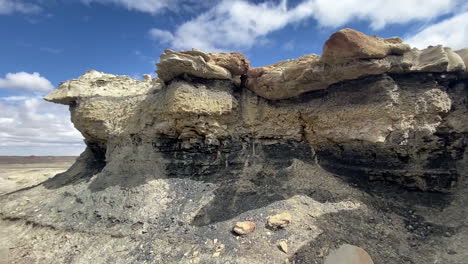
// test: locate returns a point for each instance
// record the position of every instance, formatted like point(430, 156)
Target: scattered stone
point(280, 220)
point(244, 228)
point(218, 250)
point(348, 254)
point(283, 246)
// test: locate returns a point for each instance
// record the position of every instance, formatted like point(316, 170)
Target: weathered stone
point(281, 220)
point(434, 59)
point(348, 55)
point(283, 246)
point(348, 44)
point(173, 64)
point(188, 158)
point(463, 53)
point(244, 228)
point(203, 65)
point(294, 77)
point(235, 62)
point(349, 254)
point(94, 84)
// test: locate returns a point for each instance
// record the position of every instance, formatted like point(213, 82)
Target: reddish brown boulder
point(235, 62)
point(348, 44)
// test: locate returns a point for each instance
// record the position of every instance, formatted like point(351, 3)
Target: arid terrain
point(365, 145)
point(17, 172)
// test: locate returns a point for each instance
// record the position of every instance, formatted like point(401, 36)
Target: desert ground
point(18, 172)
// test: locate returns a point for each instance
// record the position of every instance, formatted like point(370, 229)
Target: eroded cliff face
point(214, 140)
point(369, 108)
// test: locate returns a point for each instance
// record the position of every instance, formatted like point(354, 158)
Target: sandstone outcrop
point(98, 84)
point(339, 141)
point(378, 107)
point(222, 66)
point(348, 55)
point(463, 53)
point(348, 44)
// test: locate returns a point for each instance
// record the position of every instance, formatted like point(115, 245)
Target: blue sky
point(45, 42)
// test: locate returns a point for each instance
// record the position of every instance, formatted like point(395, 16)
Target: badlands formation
point(364, 145)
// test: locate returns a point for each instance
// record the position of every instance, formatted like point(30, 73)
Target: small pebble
point(244, 228)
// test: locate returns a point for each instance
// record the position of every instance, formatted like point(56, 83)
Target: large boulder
point(235, 62)
point(199, 64)
point(349, 254)
point(348, 44)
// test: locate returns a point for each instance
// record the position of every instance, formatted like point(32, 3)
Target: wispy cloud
point(451, 32)
point(157, 6)
point(8, 7)
point(25, 81)
point(239, 24)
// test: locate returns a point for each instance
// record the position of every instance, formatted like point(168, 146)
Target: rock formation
point(172, 162)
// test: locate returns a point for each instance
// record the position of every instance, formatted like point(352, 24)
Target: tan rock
point(349, 254)
point(94, 83)
point(293, 77)
point(280, 220)
point(348, 44)
point(463, 53)
point(283, 246)
point(182, 97)
point(434, 59)
point(244, 228)
point(196, 63)
point(348, 55)
point(147, 77)
point(235, 62)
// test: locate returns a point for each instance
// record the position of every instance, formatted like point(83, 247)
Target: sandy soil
point(21, 172)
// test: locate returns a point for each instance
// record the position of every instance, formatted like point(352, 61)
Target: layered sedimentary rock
point(380, 110)
point(348, 55)
point(212, 140)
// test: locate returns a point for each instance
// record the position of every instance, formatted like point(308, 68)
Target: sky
point(45, 42)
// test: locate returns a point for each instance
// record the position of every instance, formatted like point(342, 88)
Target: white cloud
point(163, 36)
point(32, 126)
point(148, 6)
point(380, 12)
point(8, 7)
point(239, 24)
point(156, 6)
point(234, 24)
point(27, 81)
point(452, 32)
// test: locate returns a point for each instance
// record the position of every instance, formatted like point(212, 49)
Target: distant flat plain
point(17, 172)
